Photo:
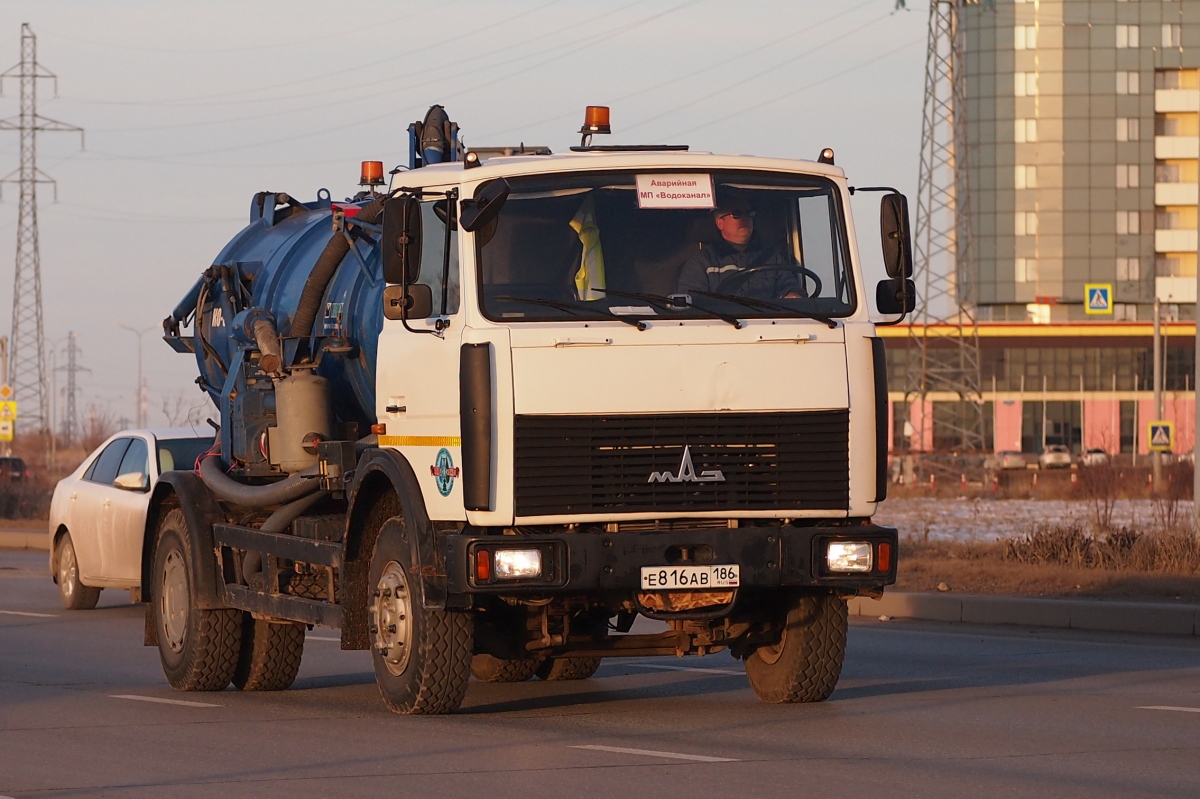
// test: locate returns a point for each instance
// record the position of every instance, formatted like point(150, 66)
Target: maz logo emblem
point(687, 473)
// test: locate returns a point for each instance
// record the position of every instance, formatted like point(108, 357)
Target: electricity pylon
point(27, 351)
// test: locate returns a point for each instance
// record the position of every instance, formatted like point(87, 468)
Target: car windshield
point(180, 453)
point(727, 244)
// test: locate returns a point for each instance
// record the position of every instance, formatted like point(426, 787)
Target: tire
point(487, 668)
point(805, 664)
point(568, 668)
point(73, 594)
point(198, 648)
point(270, 655)
point(422, 657)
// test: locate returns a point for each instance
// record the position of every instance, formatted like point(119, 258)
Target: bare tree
point(99, 423)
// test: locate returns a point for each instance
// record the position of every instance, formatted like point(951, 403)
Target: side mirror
point(489, 199)
point(401, 239)
point(897, 239)
point(896, 296)
point(417, 304)
point(132, 481)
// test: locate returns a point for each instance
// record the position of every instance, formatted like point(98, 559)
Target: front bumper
point(768, 557)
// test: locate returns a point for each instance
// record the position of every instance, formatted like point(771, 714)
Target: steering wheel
point(738, 278)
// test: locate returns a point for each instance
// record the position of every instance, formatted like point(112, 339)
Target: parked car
point(1093, 457)
point(98, 512)
point(1005, 459)
point(1055, 456)
point(13, 469)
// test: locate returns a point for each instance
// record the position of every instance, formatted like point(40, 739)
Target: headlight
point(514, 564)
point(848, 556)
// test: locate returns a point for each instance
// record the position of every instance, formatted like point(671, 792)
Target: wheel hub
point(67, 571)
point(173, 601)
point(391, 618)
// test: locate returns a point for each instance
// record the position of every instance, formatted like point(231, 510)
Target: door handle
point(106, 503)
point(74, 494)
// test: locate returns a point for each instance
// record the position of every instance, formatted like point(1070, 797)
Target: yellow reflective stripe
point(420, 441)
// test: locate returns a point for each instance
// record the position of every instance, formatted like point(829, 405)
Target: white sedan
point(98, 513)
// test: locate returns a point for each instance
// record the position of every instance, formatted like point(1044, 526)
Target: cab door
point(417, 375)
point(123, 515)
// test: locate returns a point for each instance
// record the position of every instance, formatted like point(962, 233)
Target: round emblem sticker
point(444, 471)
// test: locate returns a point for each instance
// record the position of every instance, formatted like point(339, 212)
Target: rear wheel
point(487, 668)
point(74, 594)
point(568, 668)
point(198, 648)
point(805, 663)
point(422, 657)
point(270, 654)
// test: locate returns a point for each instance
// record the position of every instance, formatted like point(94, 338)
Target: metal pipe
point(1156, 456)
point(282, 518)
point(270, 353)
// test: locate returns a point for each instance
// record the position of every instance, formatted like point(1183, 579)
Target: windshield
point(181, 453)
point(654, 245)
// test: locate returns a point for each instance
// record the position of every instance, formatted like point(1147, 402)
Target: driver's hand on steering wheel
point(793, 295)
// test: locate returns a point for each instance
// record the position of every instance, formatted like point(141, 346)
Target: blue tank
point(262, 274)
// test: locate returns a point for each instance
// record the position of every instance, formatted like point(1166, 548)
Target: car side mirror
point(485, 206)
point(133, 481)
point(896, 296)
point(401, 239)
point(897, 238)
point(417, 304)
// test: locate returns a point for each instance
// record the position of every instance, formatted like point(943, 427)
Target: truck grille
point(637, 463)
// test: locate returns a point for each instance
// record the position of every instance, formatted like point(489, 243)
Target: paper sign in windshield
point(675, 191)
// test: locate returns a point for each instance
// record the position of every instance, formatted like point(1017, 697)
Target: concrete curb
point(25, 541)
point(1153, 618)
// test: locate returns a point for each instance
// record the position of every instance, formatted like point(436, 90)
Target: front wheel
point(422, 657)
point(198, 648)
point(73, 594)
point(805, 663)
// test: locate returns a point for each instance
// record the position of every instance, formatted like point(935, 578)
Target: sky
point(190, 108)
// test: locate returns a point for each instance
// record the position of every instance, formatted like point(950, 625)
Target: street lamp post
point(139, 395)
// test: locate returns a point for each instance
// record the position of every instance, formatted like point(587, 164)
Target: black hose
point(322, 272)
point(283, 517)
point(230, 490)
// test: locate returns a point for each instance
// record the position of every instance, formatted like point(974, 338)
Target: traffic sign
point(6, 392)
point(1161, 435)
point(1098, 298)
point(6, 430)
point(8, 410)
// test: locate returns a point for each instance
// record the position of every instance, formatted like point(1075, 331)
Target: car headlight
point(848, 556)
point(515, 564)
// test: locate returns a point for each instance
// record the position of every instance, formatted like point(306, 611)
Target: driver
point(739, 249)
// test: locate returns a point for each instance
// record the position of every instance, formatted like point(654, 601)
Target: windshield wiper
point(666, 303)
point(576, 309)
point(763, 305)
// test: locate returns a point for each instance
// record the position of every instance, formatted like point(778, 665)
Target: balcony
point(1175, 193)
point(1174, 241)
point(1175, 289)
point(1176, 147)
point(1168, 100)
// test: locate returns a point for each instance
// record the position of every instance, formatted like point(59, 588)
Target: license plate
point(675, 578)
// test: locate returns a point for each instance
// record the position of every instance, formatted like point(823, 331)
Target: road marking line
point(137, 698)
point(321, 638)
point(1169, 707)
point(665, 667)
point(34, 615)
point(651, 753)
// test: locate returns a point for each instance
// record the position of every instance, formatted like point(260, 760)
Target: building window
point(1180, 217)
point(1177, 79)
point(1175, 264)
point(1127, 36)
point(1025, 131)
point(1026, 270)
point(1025, 84)
point(1025, 177)
point(1025, 37)
point(1038, 313)
point(1128, 129)
point(1026, 223)
point(1124, 312)
point(1129, 269)
point(1176, 124)
point(1128, 223)
point(1172, 35)
point(1127, 176)
point(1127, 83)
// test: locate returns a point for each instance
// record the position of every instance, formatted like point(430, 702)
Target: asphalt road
point(922, 710)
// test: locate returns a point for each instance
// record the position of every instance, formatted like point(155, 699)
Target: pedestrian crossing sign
point(1098, 298)
point(1161, 436)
